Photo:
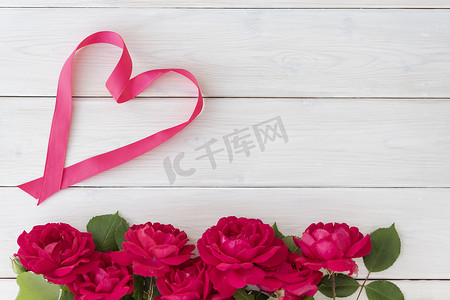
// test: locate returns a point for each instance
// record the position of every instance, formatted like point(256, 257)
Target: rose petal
point(360, 248)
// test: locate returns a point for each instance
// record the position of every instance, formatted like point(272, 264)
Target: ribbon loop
point(122, 88)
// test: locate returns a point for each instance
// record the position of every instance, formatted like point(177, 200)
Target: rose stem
point(150, 289)
point(334, 285)
point(362, 286)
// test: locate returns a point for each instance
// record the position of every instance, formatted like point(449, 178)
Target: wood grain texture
point(239, 53)
point(363, 93)
point(8, 289)
point(345, 142)
point(232, 3)
point(194, 210)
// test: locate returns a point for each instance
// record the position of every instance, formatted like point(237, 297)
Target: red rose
point(189, 281)
point(333, 247)
point(237, 249)
point(152, 248)
point(106, 282)
point(293, 278)
point(56, 250)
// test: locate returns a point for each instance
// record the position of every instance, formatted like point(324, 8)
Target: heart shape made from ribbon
point(122, 88)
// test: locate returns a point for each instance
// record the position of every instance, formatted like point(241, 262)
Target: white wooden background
point(362, 87)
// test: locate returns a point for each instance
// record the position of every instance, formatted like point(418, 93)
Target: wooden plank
point(232, 3)
point(243, 53)
point(418, 213)
point(8, 289)
point(332, 142)
point(413, 290)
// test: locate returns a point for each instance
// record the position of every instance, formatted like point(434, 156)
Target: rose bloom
point(237, 249)
point(293, 278)
point(189, 281)
point(56, 250)
point(108, 281)
point(332, 246)
point(152, 248)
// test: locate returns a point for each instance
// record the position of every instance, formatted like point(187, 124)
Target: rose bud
point(333, 247)
point(237, 249)
point(56, 250)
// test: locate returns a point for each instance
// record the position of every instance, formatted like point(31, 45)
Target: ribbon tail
point(33, 188)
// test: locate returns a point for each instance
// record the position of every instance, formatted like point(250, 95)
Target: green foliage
point(383, 290)
point(242, 294)
point(17, 266)
point(260, 295)
point(35, 287)
point(288, 240)
point(108, 232)
point(121, 229)
point(66, 294)
point(277, 295)
point(278, 234)
point(138, 284)
point(345, 285)
point(141, 288)
point(151, 288)
point(385, 249)
point(308, 298)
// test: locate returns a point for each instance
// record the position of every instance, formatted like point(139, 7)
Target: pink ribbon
point(122, 88)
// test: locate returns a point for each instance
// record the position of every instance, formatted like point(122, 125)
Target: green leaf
point(17, 266)
point(156, 292)
point(35, 287)
point(66, 294)
point(345, 285)
point(260, 295)
point(383, 290)
point(242, 294)
point(138, 284)
point(104, 229)
point(121, 229)
point(150, 289)
point(289, 241)
point(278, 234)
point(385, 249)
point(308, 298)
